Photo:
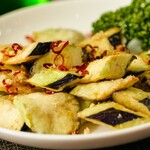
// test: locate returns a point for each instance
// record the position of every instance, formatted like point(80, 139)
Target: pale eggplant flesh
point(146, 102)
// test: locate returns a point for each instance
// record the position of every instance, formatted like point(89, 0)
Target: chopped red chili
point(1, 64)
point(92, 50)
point(82, 69)
point(58, 46)
point(6, 70)
point(62, 68)
point(9, 88)
point(17, 72)
point(56, 58)
point(30, 39)
point(15, 47)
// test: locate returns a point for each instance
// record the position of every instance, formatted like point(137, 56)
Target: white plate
point(78, 15)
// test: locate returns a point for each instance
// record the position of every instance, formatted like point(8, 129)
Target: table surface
point(139, 145)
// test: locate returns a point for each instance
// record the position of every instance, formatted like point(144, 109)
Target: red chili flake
point(16, 47)
point(82, 69)
point(92, 50)
point(17, 72)
point(62, 68)
point(30, 39)
point(47, 65)
point(9, 88)
point(50, 92)
point(5, 70)
point(56, 58)
point(1, 64)
point(102, 55)
point(12, 92)
point(55, 46)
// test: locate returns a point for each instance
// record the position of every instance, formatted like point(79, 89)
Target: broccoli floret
point(134, 21)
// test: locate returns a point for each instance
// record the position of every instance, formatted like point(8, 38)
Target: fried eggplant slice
point(70, 35)
point(10, 116)
point(134, 98)
point(70, 56)
point(54, 79)
point(144, 81)
point(97, 45)
point(109, 67)
point(145, 55)
point(17, 54)
point(49, 114)
point(101, 43)
point(139, 65)
point(113, 115)
point(104, 89)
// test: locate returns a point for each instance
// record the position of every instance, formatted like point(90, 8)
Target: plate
point(79, 15)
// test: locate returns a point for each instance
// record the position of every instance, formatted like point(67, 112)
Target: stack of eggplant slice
point(56, 83)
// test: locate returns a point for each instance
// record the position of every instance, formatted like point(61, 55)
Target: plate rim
point(77, 137)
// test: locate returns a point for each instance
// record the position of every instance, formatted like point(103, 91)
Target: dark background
point(9, 5)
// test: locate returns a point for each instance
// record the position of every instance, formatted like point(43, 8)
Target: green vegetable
point(134, 21)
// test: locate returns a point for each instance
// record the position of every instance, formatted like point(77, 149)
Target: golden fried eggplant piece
point(101, 43)
point(134, 98)
point(139, 65)
point(109, 67)
point(144, 81)
point(10, 116)
point(113, 115)
point(47, 35)
point(104, 89)
point(49, 113)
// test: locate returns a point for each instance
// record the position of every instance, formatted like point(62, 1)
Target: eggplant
point(70, 35)
point(70, 56)
point(99, 91)
point(138, 65)
point(41, 49)
point(10, 116)
point(49, 113)
point(134, 99)
point(54, 79)
point(109, 67)
point(113, 115)
point(115, 39)
point(26, 54)
point(63, 81)
point(110, 116)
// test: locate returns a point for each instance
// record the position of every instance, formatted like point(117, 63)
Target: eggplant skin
point(59, 83)
point(41, 49)
point(115, 39)
point(110, 116)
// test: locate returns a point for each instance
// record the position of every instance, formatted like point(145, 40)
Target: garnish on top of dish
point(61, 80)
point(134, 21)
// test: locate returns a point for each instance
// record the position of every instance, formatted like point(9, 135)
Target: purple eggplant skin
point(110, 116)
point(41, 49)
point(115, 39)
point(146, 102)
point(59, 83)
